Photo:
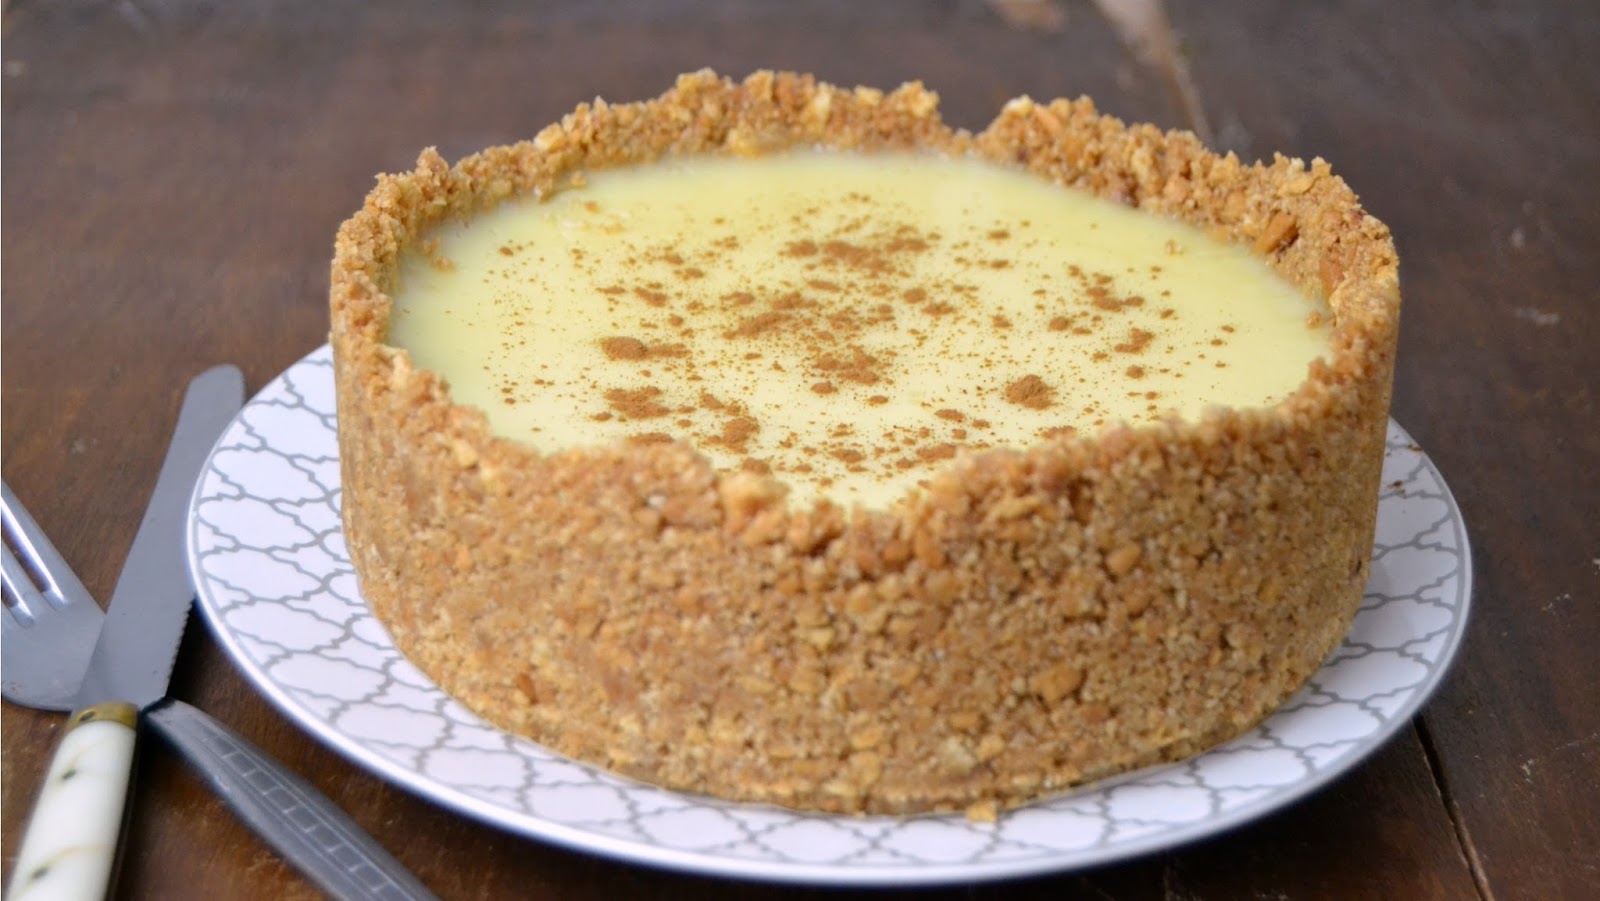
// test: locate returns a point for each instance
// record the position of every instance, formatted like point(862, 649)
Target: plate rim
point(704, 863)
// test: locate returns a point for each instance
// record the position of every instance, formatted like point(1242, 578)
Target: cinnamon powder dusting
point(1030, 391)
point(637, 403)
point(651, 438)
point(1138, 340)
point(737, 432)
point(620, 348)
point(866, 294)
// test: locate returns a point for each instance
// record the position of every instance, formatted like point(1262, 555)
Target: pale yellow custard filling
point(845, 322)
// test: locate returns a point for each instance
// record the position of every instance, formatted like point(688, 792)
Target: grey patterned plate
point(275, 582)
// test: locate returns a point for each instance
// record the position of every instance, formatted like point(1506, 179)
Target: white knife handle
point(72, 837)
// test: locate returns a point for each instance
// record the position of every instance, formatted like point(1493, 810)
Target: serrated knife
point(72, 837)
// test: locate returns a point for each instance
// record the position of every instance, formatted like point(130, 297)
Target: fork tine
point(61, 587)
point(22, 594)
point(46, 640)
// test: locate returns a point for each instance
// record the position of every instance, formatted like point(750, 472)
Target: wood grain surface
point(173, 174)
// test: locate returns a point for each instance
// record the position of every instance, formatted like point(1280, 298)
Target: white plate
point(276, 584)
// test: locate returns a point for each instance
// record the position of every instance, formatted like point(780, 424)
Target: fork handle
point(73, 833)
point(306, 828)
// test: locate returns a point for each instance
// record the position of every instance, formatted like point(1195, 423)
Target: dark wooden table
point(174, 173)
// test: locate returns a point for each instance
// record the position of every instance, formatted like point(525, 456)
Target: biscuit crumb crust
point(1034, 618)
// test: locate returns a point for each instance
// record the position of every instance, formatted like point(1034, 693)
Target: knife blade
point(72, 836)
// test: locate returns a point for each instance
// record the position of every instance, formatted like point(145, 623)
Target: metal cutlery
point(55, 657)
point(50, 629)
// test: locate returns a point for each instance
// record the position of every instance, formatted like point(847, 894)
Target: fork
point(51, 622)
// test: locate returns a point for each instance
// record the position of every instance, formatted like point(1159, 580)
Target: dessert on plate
point(777, 441)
